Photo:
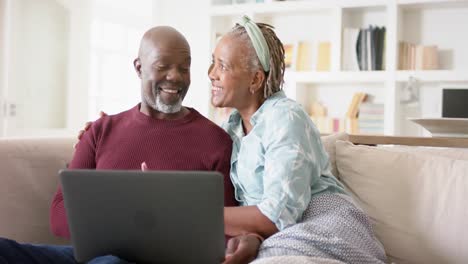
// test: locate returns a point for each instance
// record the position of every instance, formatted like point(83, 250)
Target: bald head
point(163, 65)
point(162, 37)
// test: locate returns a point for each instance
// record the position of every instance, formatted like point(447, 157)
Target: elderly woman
point(279, 168)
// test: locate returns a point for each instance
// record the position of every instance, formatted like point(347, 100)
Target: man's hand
point(86, 127)
point(242, 249)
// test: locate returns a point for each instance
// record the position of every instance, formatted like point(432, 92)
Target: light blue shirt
point(281, 163)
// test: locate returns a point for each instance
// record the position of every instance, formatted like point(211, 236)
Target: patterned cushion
point(295, 260)
point(333, 228)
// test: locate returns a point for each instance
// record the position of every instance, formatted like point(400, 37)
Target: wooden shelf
point(337, 77)
point(376, 76)
point(431, 3)
point(290, 6)
point(433, 76)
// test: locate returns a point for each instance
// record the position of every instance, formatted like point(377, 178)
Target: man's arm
point(58, 217)
point(84, 158)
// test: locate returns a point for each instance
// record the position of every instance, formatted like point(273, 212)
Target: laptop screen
point(455, 103)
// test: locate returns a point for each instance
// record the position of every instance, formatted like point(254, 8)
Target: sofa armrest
point(28, 181)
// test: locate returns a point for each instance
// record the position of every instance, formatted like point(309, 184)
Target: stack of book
point(364, 49)
point(307, 56)
point(417, 57)
point(362, 117)
point(324, 123)
point(371, 118)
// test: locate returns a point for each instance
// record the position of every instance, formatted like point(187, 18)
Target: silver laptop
point(145, 217)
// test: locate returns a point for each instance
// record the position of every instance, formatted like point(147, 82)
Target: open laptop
point(145, 217)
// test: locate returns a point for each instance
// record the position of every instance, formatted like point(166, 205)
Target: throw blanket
point(332, 228)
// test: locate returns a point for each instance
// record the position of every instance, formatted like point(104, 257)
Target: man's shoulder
point(209, 128)
point(111, 120)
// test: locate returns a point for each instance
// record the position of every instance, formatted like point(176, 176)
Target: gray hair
point(275, 77)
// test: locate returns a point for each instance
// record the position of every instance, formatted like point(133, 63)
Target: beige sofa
point(414, 196)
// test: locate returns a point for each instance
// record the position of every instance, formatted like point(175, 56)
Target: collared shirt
point(281, 162)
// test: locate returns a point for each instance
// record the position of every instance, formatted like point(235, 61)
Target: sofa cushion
point(28, 181)
point(453, 153)
point(329, 145)
point(416, 200)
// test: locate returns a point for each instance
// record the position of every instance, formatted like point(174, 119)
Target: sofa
point(414, 196)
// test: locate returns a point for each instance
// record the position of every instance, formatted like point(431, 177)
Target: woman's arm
point(247, 219)
point(242, 249)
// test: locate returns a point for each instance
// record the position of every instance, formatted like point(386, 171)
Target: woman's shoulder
point(285, 110)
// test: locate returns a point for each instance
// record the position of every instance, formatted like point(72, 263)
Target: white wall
point(3, 61)
point(37, 40)
point(78, 64)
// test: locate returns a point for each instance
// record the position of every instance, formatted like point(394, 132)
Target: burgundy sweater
point(125, 140)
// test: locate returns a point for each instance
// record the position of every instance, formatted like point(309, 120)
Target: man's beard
point(158, 105)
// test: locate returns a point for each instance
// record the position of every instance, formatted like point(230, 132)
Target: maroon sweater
point(125, 140)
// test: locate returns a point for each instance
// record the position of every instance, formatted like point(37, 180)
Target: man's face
point(165, 76)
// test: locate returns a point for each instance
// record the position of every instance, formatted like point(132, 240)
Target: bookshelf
point(439, 23)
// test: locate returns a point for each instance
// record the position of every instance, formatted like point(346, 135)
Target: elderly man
point(159, 133)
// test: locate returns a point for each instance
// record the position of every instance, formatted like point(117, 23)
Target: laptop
point(145, 217)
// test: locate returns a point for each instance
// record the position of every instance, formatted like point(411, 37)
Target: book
point(380, 47)
point(289, 55)
point(350, 55)
point(364, 50)
point(401, 55)
point(371, 118)
point(412, 56)
point(359, 50)
point(417, 57)
point(304, 56)
point(430, 58)
point(372, 42)
point(369, 43)
point(324, 56)
point(384, 47)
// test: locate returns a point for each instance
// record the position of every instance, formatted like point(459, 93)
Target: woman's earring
point(252, 91)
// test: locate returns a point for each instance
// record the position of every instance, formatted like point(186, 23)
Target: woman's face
point(229, 74)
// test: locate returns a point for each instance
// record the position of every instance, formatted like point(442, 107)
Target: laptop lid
point(151, 216)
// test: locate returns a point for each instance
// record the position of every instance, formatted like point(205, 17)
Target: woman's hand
point(86, 127)
point(242, 249)
point(144, 167)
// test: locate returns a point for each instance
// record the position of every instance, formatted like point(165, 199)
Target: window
point(115, 35)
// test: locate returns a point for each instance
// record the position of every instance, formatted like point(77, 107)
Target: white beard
point(160, 106)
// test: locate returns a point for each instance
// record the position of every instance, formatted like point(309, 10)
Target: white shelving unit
point(427, 22)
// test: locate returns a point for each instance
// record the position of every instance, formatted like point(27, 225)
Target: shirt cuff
point(277, 213)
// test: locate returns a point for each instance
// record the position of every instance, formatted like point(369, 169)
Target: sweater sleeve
point(84, 158)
